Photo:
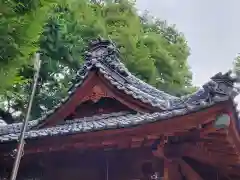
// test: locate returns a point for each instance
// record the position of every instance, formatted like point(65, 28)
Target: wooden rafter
point(221, 162)
point(201, 153)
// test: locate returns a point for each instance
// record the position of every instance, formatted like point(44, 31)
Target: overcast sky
point(211, 27)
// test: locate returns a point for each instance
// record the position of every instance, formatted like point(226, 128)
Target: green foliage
point(152, 50)
point(236, 66)
point(21, 23)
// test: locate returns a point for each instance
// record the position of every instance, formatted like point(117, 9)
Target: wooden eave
point(95, 79)
point(143, 135)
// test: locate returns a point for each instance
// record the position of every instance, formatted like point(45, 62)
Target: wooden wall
point(94, 165)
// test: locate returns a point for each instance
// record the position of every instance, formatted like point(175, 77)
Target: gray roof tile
point(101, 122)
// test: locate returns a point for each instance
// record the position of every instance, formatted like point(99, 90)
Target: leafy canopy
point(21, 23)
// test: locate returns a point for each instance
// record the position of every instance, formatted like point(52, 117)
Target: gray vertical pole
point(23, 130)
point(107, 170)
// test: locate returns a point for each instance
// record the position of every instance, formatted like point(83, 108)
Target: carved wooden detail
point(96, 94)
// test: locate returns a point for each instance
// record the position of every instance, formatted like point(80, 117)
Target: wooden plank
point(202, 154)
point(137, 142)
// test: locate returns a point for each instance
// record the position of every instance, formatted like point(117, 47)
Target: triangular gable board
point(99, 100)
point(93, 91)
point(104, 76)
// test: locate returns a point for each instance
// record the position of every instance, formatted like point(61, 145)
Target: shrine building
point(113, 126)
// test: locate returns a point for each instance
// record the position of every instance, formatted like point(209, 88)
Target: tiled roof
point(2, 122)
point(97, 123)
point(16, 127)
point(202, 99)
point(104, 57)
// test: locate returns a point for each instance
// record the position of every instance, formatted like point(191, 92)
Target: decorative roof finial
point(104, 52)
point(220, 88)
point(224, 78)
point(100, 48)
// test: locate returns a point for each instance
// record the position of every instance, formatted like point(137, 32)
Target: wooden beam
point(198, 152)
point(222, 163)
point(203, 155)
point(188, 171)
point(137, 142)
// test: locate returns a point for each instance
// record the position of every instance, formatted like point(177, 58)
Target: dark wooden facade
point(114, 126)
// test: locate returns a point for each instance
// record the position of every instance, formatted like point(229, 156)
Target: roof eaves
point(213, 92)
point(124, 121)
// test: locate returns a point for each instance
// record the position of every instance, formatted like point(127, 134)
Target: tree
point(21, 22)
point(171, 56)
point(152, 50)
point(236, 64)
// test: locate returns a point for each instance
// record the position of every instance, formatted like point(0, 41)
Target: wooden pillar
point(171, 170)
point(188, 171)
point(171, 164)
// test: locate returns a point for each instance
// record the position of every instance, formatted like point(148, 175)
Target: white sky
point(211, 27)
